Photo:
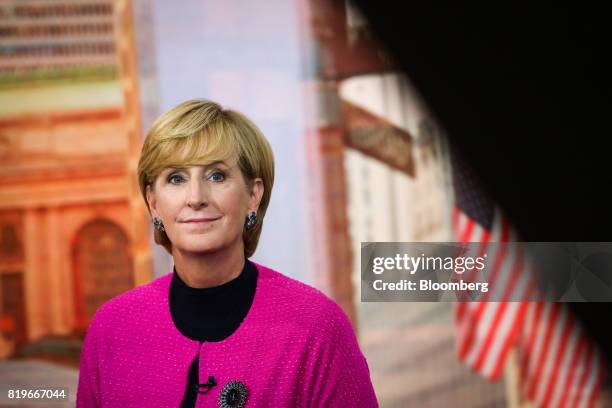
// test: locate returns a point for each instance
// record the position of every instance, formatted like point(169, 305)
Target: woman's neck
point(205, 270)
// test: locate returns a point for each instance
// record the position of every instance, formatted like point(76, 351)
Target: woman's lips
point(200, 220)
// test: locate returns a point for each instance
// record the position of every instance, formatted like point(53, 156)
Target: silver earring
point(251, 220)
point(158, 224)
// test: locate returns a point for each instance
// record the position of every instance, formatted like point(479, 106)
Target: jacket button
point(233, 395)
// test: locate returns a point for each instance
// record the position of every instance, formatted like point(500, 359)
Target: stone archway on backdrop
point(102, 267)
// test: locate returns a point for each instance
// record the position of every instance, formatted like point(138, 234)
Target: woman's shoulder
point(299, 301)
point(278, 284)
point(134, 301)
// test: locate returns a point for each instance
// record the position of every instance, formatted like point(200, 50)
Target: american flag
point(559, 365)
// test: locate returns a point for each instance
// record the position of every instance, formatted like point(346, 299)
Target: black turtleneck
point(210, 314)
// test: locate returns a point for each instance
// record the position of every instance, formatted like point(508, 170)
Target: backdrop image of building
point(66, 223)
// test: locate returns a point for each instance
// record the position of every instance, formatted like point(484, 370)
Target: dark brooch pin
point(233, 395)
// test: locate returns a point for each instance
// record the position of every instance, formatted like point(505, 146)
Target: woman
point(220, 330)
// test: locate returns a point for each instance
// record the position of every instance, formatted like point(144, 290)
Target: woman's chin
point(200, 248)
point(197, 243)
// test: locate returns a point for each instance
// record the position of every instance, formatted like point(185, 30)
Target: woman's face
point(203, 208)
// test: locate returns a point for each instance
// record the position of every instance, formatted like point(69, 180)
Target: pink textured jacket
point(295, 348)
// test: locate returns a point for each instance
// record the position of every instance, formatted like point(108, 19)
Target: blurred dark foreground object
point(522, 90)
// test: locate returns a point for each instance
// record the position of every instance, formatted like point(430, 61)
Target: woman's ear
point(256, 193)
point(151, 201)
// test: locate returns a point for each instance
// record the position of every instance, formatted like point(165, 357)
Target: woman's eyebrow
point(215, 163)
point(173, 168)
point(218, 162)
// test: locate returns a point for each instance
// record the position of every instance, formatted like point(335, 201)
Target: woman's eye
point(174, 177)
point(217, 176)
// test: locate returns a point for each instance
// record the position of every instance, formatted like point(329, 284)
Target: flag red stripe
point(501, 313)
point(471, 326)
point(461, 310)
point(514, 334)
point(579, 389)
point(533, 330)
point(537, 377)
point(569, 380)
point(467, 233)
point(567, 331)
point(583, 378)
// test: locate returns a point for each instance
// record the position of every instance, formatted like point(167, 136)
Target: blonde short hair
point(200, 132)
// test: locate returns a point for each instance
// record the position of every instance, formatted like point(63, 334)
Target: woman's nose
point(197, 196)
